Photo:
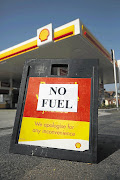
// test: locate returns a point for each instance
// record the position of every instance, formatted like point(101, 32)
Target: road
point(17, 167)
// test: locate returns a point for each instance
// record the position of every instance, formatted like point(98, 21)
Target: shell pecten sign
point(44, 35)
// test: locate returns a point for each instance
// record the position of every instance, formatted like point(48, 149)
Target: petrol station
point(61, 74)
point(70, 41)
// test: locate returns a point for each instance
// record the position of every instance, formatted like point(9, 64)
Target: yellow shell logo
point(44, 35)
point(77, 145)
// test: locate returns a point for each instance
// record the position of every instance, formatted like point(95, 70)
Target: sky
point(20, 19)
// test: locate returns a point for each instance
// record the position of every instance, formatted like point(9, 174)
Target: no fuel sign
point(58, 97)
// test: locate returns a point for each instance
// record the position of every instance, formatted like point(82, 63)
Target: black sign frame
point(81, 68)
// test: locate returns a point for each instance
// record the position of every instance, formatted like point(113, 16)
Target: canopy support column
point(10, 92)
point(115, 78)
point(118, 62)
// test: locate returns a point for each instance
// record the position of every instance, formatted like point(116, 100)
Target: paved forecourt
point(14, 166)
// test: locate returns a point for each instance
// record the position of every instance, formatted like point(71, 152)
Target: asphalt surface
point(23, 167)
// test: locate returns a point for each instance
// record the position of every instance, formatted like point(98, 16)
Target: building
point(110, 98)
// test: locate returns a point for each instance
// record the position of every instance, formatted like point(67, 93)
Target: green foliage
point(103, 106)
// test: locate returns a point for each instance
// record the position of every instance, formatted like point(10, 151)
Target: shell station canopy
point(70, 41)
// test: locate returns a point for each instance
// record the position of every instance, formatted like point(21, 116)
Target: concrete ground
point(7, 118)
point(17, 167)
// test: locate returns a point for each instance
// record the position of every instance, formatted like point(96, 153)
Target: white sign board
point(58, 97)
point(44, 35)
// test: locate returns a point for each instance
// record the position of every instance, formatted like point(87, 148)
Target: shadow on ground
point(107, 145)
